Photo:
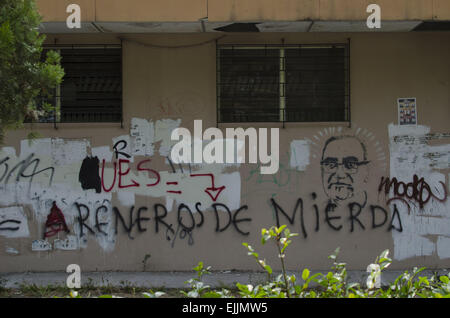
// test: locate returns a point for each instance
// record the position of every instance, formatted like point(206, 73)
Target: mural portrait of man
point(344, 169)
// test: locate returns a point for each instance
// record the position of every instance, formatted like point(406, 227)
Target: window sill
point(71, 125)
point(284, 125)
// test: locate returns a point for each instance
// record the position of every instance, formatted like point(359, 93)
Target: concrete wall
point(164, 88)
point(243, 10)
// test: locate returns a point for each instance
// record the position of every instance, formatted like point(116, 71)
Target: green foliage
point(153, 294)
point(197, 287)
point(74, 294)
point(281, 236)
point(333, 284)
point(23, 74)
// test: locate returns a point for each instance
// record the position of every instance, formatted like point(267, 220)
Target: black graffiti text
point(330, 217)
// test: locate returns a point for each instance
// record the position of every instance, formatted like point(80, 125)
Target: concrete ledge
point(170, 279)
point(243, 10)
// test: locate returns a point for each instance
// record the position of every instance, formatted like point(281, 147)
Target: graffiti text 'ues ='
point(213, 152)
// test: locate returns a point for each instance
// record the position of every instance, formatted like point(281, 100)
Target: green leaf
point(280, 229)
point(193, 294)
point(313, 277)
point(211, 294)
point(242, 287)
point(444, 279)
point(335, 254)
point(153, 294)
point(384, 254)
point(32, 136)
point(265, 238)
point(305, 274)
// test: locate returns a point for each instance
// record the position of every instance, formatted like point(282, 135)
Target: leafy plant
point(282, 238)
point(441, 289)
point(333, 284)
point(24, 75)
point(153, 294)
point(197, 287)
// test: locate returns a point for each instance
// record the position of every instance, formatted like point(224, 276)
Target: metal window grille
point(91, 90)
point(283, 83)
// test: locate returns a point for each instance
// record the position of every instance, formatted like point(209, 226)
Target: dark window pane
point(92, 87)
point(316, 86)
point(91, 90)
point(249, 85)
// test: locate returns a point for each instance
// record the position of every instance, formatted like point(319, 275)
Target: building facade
point(362, 114)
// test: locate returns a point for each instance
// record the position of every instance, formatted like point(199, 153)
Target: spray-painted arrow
point(212, 191)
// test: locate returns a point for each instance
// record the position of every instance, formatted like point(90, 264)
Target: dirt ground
point(91, 292)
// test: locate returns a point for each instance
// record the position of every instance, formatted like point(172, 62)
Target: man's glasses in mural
point(350, 164)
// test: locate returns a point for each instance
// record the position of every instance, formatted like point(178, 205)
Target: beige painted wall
point(180, 84)
point(243, 10)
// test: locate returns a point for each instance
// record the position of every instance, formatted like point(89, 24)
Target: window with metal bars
point(91, 90)
point(288, 83)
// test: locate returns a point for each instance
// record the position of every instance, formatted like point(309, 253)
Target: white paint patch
point(412, 245)
point(41, 246)
point(163, 132)
point(169, 203)
point(439, 156)
point(102, 153)
point(232, 191)
point(11, 251)
point(107, 238)
point(66, 152)
point(13, 222)
point(70, 243)
point(142, 134)
point(126, 198)
point(9, 151)
point(300, 153)
point(411, 155)
point(227, 189)
point(39, 147)
point(443, 247)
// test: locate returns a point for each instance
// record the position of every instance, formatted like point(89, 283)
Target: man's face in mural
point(344, 168)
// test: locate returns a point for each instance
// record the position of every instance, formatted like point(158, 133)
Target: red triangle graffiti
point(213, 190)
point(55, 222)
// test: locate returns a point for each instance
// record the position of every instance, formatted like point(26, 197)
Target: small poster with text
point(407, 112)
